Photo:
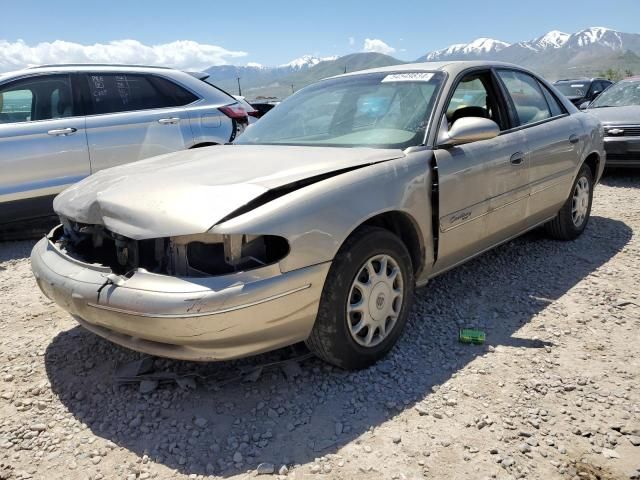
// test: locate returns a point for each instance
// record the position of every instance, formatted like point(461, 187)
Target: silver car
point(59, 124)
point(318, 224)
point(618, 108)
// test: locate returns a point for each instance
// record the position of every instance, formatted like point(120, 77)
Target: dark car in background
point(263, 106)
point(619, 111)
point(581, 90)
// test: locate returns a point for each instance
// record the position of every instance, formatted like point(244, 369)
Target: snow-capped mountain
point(552, 39)
point(556, 54)
point(588, 40)
point(600, 36)
point(480, 47)
point(306, 61)
point(519, 52)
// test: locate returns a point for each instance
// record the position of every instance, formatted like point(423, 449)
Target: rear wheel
point(365, 301)
point(574, 215)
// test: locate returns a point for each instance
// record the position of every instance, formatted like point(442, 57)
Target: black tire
point(562, 227)
point(331, 339)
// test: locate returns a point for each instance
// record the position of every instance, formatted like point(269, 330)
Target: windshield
point(622, 94)
point(379, 110)
point(573, 89)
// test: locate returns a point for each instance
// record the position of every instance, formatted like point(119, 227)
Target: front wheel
point(365, 300)
point(574, 215)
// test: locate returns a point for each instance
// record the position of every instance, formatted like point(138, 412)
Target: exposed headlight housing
point(215, 254)
point(187, 255)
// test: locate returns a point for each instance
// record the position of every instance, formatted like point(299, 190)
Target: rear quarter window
point(173, 92)
point(554, 105)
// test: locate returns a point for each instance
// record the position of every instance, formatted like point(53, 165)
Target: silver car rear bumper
point(201, 319)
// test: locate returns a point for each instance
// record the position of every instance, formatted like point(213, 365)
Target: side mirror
point(470, 129)
point(584, 105)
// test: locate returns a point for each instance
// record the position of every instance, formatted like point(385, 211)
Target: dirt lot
point(553, 394)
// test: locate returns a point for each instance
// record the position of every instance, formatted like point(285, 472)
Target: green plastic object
point(471, 335)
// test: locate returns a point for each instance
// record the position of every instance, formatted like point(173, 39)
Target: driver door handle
point(574, 139)
point(62, 132)
point(517, 159)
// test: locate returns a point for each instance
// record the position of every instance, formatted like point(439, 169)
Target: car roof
point(86, 67)
point(584, 79)
point(451, 67)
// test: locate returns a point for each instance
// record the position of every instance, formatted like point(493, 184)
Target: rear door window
point(528, 98)
point(124, 92)
point(36, 98)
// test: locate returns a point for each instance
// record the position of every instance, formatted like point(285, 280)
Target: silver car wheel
point(375, 300)
point(580, 202)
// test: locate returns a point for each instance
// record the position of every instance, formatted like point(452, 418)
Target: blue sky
point(272, 32)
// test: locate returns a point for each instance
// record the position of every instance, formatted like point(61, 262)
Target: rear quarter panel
point(594, 141)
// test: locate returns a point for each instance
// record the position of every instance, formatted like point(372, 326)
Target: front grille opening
point(96, 245)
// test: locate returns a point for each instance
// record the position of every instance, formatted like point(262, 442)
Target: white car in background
point(61, 123)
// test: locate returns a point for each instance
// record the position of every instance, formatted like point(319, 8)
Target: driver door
point(483, 186)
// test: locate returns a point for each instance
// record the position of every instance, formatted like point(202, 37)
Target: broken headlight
point(214, 254)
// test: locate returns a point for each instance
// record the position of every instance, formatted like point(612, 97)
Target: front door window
point(36, 98)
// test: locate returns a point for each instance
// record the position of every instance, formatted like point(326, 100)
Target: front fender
point(318, 218)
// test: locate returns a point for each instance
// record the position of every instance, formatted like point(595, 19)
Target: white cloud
point(183, 54)
point(352, 41)
point(378, 46)
point(254, 64)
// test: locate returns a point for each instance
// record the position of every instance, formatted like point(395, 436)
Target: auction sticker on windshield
point(408, 77)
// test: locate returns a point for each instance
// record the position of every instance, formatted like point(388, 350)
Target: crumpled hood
point(187, 192)
point(617, 115)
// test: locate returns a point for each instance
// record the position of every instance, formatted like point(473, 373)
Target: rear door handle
point(62, 132)
point(168, 121)
point(517, 158)
point(574, 139)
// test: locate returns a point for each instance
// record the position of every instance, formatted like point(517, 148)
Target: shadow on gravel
point(294, 419)
point(15, 250)
point(27, 229)
point(621, 177)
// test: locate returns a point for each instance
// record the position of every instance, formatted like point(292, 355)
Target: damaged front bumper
point(190, 318)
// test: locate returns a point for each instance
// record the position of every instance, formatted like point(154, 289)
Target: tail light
point(238, 116)
point(254, 113)
point(235, 111)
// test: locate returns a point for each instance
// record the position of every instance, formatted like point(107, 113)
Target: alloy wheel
point(375, 300)
point(580, 202)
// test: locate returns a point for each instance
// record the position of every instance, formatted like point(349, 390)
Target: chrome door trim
point(481, 209)
point(476, 254)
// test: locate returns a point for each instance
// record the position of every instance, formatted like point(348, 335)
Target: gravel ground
point(552, 394)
